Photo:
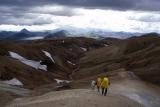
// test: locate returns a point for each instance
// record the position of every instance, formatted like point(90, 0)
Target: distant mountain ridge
point(21, 35)
point(58, 34)
point(25, 34)
point(25, 31)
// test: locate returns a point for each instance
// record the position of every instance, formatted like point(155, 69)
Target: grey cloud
point(27, 16)
point(147, 18)
point(65, 11)
point(18, 11)
point(148, 5)
point(150, 19)
point(23, 19)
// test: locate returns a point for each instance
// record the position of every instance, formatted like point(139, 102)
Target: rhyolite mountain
point(31, 68)
point(79, 58)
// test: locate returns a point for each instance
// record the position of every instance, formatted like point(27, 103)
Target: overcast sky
point(110, 15)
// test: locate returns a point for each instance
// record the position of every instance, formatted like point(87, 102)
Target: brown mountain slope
point(142, 55)
point(91, 57)
point(63, 51)
point(138, 54)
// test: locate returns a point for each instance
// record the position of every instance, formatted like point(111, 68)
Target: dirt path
point(75, 98)
point(133, 88)
point(129, 91)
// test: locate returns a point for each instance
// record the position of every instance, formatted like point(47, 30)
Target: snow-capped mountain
point(89, 32)
point(24, 34)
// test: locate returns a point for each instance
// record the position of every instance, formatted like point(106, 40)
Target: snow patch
point(16, 56)
point(71, 63)
point(106, 45)
point(48, 55)
point(84, 49)
point(42, 67)
point(34, 38)
point(61, 82)
point(13, 81)
point(32, 63)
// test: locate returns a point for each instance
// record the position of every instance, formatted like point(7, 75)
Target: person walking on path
point(104, 85)
point(98, 83)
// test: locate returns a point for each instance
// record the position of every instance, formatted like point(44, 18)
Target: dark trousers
point(104, 91)
point(98, 88)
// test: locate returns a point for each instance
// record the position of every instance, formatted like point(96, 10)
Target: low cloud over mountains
point(113, 15)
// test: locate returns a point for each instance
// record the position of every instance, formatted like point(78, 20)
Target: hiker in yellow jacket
point(104, 85)
point(98, 83)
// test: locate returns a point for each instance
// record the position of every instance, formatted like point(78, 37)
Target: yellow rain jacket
point(105, 83)
point(99, 80)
